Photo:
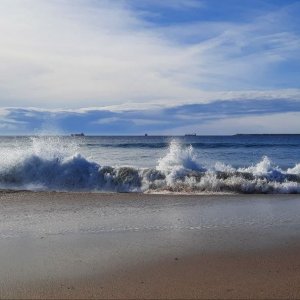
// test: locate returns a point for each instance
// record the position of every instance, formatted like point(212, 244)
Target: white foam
point(264, 168)
point(53, 164)
point(295, 170)
point(178, 161)
point(179, 157)
point(221, 167)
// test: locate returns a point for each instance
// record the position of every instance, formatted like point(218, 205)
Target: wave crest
point(51, 165)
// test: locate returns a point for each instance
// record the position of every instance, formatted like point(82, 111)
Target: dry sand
point(80, 245)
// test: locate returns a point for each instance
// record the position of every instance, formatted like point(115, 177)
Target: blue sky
point(162, 67)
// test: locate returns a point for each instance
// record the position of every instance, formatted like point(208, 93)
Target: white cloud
point(271, 123)
point(74, 54)
point(106, 120)
point(221, 117)
point(80, 55)
point(3, 112)
point(173, 4)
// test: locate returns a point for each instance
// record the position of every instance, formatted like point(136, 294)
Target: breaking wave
point(50, 165)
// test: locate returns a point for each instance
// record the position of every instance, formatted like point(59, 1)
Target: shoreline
point(147, 193)
point(93, 245)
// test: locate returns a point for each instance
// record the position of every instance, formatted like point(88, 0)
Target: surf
point(52, 164)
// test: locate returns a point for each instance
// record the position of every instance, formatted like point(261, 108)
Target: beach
point(149, 149)
point(133, 245)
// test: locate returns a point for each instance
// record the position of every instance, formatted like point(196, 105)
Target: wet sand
point(84, 245)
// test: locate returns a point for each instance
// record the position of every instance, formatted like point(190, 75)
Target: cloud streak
point(73, 54)
point(219, 117)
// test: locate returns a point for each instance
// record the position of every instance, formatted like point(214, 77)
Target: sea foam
point(53, 164)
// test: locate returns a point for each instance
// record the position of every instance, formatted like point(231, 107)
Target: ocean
point(152, 164)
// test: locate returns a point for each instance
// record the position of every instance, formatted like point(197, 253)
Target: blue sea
point(152, 164)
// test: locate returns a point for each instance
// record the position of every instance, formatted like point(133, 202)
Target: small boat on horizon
point(190, 134)
point(77, 134)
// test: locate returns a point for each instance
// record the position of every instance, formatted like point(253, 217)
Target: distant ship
point(190, 134)
point(146, 134)
point(77, 134)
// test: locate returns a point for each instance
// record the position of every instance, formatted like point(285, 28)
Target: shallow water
point(45, 215)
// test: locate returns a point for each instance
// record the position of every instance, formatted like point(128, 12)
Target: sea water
point(183, 164)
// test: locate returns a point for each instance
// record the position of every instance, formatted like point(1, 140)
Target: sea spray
point(264, 168)
point(52, 163)
point(178, 162)
point(295, 170)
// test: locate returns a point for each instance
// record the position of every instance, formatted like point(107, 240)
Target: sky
point(126, 67)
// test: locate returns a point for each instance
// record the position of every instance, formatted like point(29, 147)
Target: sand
point(89, 245)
